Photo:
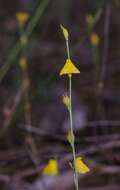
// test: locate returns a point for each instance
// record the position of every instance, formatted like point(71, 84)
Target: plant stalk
point(71, 122)
point(68, 50)
point(72, 134)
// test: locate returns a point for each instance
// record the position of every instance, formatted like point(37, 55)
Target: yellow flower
point(65, 32)
point(89, 19)
point(66, 101)
point(94, 39)
point(51, 169)
point(81, 167)
point(22, 18)
point(69, 68)
point(23, 63)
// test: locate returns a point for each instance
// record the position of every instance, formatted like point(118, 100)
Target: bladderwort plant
point(22, 19)
point(69, 69)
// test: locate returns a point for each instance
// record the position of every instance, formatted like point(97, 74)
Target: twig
point(106, 187)
point(15, 104)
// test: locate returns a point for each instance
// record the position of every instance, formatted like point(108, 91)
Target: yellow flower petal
point(81, 167)
point(22, 18)
point(65, 32)
point(51, 169)
point(69, 68)
point(66, 101)
point(94, 39)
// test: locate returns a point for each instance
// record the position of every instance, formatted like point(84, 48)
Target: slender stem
point(71, 122)
point(68, 50)
point(38, 13)
point(71, 128)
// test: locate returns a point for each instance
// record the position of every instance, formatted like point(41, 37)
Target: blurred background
point(33, 120)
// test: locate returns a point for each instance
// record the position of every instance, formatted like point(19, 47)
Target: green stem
point(71, 128)
point(35, 19)
point(71, 122)
point(68, 51)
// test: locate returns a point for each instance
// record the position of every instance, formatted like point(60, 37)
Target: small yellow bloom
point(66, 101)
point(51, 169)
point(69, 68)
point(81, 167)
point(65, 32)
point(23, 63)
point(22, 18)
point(89, 19)
point(94, 39)
point(70, 137)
